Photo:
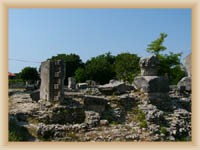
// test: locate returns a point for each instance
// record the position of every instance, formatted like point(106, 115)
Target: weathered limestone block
point(185, 84)
point(63, 114)
point(114, 87)
point(156, 88)
point(92, 118)
point(91, 83)
point(95, 103)
point(35, 95)
point(152, 84)
point(71, 83)
point(82, 85)
point(188, 65)
point(52, 76)
point(148, 66)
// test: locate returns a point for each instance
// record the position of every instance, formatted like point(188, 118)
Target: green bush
point(15, 81)
point(143, 124)
point(169, 64)
point(127, 66)
point(163, 130)
point(140, 117)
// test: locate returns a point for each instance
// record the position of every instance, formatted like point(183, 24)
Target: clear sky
point(38, 34)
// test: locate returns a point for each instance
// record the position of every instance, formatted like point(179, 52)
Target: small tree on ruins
point(170, 64)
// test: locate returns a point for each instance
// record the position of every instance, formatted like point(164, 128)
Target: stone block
point(152, 84)
point(149, 66)
point(114, 87)
point(185, 84)
point(35, 95)
point(95, 103)
point(188, 66)
point(71, 83)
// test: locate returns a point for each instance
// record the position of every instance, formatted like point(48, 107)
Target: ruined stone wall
point(52, 80)
point(188, 65)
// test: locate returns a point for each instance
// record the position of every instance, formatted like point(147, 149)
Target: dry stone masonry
point(117, 111)
point(52, 80)
point(155, 87)
point(149, 66)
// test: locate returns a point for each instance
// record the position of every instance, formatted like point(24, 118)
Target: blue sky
point(38, 34)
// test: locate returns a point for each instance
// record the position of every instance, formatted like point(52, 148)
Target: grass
point(183, 139)
point(114, 123)
point(72, 135)
point(140, 117)
point(163, 130)
point(143, 124)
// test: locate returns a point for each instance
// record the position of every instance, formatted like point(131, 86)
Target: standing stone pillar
point(155, 87)
point(71, 83)
point(52, 80)
point(184, 85)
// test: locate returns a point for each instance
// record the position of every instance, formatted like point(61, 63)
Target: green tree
point(170, 64)
point(100, 68)
point(127, 66)
point(72, 62)
point(29, 74)
point(80, 75)
point(176, 74)
point(156, 46)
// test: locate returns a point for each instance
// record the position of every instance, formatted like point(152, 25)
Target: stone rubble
point(148, 111)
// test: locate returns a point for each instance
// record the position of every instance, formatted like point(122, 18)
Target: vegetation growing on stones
point(110, 112)
point(140, 117)
point(170, 64)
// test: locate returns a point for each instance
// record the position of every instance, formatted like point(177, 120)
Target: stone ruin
point(184, 85)
point(188, 65)
point(155, 87)
point(149, 66)
point(91, 112)
point(71, 83)
point(52, 80)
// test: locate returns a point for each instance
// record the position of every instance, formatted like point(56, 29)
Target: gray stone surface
point(151, 84)
point(115, 87)
point(62, 114)
point(35, 95)
point(22, 106)
point(71, 83)
point(92, 118)
point(52, 80)
point(95, 103)
point(188, 64)
point(149, 66)
point(185, 84)
point(82, 85)
point(152, 114)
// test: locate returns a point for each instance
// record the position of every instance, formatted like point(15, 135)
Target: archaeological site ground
point(148, 109)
